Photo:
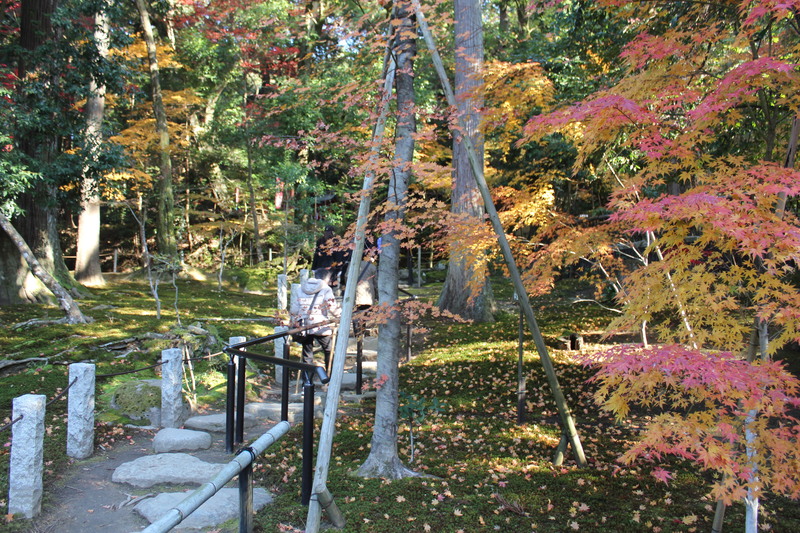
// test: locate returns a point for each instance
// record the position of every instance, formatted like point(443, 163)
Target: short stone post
point(80, 411)
point(27, 449)
point(282, 292)
point(295, 294)
point(303, 275)
point(237, 360)
point(171, 385)
point(278, 344)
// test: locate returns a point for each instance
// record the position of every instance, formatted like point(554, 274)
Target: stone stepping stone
point(221, 507)
point(180, 440)
point(272, 410)
point(174, 468)
point(367, 367)
point(214, 423)
point(349, 380)
point(348, 397)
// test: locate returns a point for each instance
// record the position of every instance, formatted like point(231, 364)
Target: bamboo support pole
point(319, 487)
point(477, 170)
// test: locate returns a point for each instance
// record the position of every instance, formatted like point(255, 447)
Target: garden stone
point(215, 423)
point(272, 410)
point(139, 400)
point(221, 507)
point(180, 440)
point(175, 468)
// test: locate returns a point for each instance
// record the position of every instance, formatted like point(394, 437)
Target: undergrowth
point(482, 470)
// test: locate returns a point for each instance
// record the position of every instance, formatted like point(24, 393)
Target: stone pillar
point(282, 292)
point(303, 275)
point(27, 449)
point(278, 344)
point(295, 294)
point(80, 406)
point(171, 385)
point(237, 360)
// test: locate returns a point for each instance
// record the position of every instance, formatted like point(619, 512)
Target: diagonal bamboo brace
point(477, 170)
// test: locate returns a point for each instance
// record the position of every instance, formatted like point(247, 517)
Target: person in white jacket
point(316, 304)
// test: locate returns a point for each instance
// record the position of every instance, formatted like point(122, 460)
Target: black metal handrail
point(234, 419)
point(234, 415)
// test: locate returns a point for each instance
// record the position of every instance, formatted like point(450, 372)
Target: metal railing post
point(308, 437)
point(246, 497)
point(359, 363)
point(285, 378)
point(241, 367)
point(230, 404)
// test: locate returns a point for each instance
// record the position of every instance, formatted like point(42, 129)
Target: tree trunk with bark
point(38, 226)
point(251, 189)
point(87, 262)
point(73, 312)
point(383, 460)
point(465, 196)
point(165, 223)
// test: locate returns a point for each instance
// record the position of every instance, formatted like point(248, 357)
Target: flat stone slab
point(221, 507)
point(215, 423)
point(174, 468)
point(180, 440)
point(272, 410)
point(349, 397)
point(369, 350)
point(368, 368)
point(349, 380)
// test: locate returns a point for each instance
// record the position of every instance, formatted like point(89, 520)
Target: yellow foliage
point(473, 242)
point(138, 180)
point(138, 50)
point(527, 207)
point(513, 93)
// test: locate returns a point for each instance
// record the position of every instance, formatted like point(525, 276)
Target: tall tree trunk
point(383, 460)
point(466, 199)
point(502, 7)
point(38, 226)
point(87, 262)
point(165, 223)
point(253, 209)
point(73, 312)
point(250, 188)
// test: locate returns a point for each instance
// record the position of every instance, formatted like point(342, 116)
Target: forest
point(642, 151)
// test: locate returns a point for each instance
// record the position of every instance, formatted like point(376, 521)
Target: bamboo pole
point(477, 170)
point(319, 489)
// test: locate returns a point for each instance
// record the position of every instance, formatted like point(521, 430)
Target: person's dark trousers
point(308, 348)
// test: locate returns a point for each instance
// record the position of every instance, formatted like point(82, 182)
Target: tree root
point(393, 469)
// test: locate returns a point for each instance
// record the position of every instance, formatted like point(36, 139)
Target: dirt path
point(87, 501)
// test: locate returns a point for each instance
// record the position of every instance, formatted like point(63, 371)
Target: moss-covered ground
point(484, 470)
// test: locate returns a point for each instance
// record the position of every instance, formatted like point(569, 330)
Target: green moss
point(136, 398)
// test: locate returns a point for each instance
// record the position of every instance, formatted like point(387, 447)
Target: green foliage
point(43, 115)
point(414, 410)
